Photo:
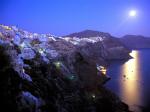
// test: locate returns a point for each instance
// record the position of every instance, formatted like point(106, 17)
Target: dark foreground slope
point(39, 73)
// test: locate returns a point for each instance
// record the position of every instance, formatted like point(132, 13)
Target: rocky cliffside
point(111, 47)
point(44, 73)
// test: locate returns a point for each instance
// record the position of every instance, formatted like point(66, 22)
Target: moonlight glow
point(132, 13)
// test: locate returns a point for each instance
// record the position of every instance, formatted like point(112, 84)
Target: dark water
point(131, 79)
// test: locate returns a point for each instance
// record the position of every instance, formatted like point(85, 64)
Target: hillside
point(46, 73)
point(88, 33)
point(112, 47)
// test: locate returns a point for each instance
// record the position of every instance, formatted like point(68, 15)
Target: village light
point(57, 64)
point(22, 45)
point(6, 27)
point(93, 96)
point(41, 51)
point(102, 69)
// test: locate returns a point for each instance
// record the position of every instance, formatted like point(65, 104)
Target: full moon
point(132, 13)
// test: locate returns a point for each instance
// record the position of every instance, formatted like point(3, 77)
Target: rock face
point(44, 73)
point(135, 41)
point(111, 47)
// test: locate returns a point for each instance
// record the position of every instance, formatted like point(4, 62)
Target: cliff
point(111, 47)
point(42, 72)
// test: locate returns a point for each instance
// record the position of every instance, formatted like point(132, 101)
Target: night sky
point(61, 17)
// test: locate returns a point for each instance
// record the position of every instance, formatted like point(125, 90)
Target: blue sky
point(61, 17)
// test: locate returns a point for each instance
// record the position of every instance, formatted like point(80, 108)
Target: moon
point(132, 13)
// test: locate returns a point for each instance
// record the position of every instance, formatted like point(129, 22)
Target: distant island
point(135, 41)
point(129, 41)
